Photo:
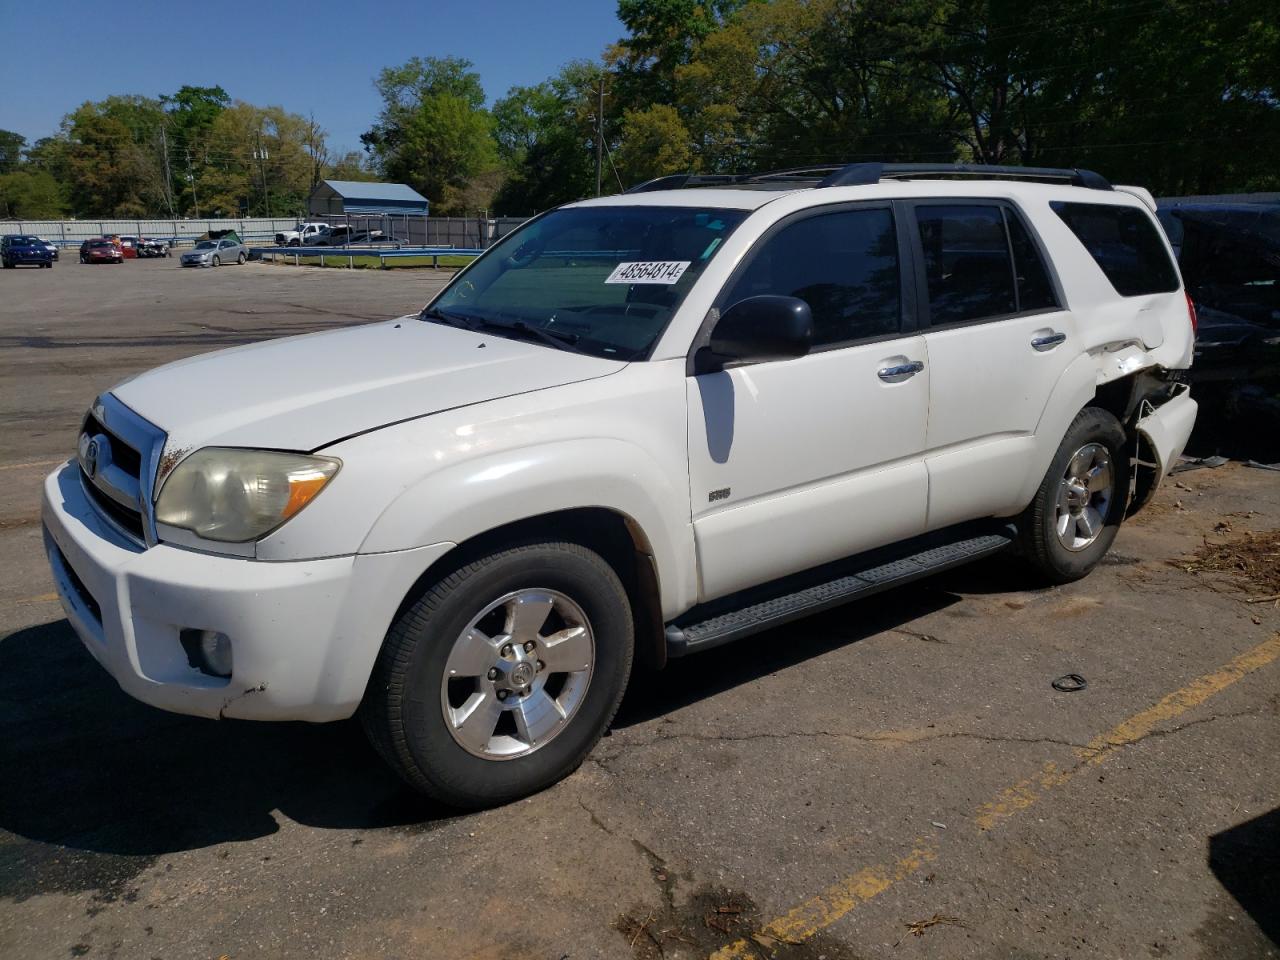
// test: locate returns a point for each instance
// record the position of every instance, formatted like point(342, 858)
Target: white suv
point(638, 427)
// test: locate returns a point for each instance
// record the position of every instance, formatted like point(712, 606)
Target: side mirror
point(757, 329)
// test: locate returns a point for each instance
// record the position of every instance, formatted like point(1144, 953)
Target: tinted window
point(966, 261)
point(1035, 292)
point(1124, 243)
point(844, 265)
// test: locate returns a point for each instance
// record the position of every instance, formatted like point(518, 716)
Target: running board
point(855, 581)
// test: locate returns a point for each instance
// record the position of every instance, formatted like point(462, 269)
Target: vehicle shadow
point(689, 679)
point(1246, 861)
point(87, 768)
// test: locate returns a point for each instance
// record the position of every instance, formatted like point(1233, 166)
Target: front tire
point(1076, 513)
point(216, 261)
point(502, 676)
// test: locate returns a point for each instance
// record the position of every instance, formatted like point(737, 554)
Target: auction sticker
point(649, 271)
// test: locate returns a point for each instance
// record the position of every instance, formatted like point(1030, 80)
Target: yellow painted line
point(831, 904)
point(1024, 794)
point(845, 895)
point(42, 598)
point(31, 463)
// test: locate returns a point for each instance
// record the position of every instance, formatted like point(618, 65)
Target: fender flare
point(1076, 386)
point(460, 502)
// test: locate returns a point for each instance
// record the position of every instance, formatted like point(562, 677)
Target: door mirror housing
point(758, 329)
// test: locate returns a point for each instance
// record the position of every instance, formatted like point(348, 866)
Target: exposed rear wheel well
point(614, 536)
point(1116, 398)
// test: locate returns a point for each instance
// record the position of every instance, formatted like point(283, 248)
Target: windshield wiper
point(554, 338)
point(453, 319)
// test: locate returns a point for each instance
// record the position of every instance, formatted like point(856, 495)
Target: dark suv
point(20, 248)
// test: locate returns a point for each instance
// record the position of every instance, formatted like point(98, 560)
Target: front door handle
point(900, 372)
point(1048, 341)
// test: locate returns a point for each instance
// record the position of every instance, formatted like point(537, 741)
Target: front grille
point(127, 458)
point(117, 453)
point(128, 520)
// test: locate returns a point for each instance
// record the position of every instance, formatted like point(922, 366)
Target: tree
point(349, 166)
point(12, 146)
point(111, 167)
point(546, 138)
point(31, 194)
point(186, 140)
point(655, 142)
point(261, 161)
point(433, 132)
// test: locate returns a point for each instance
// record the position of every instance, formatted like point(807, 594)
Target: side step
point(853, 580)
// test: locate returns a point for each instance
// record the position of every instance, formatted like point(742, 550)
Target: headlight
point(235, 495)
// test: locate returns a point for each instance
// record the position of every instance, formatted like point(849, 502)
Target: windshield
point(602, 280)
point(206, 245)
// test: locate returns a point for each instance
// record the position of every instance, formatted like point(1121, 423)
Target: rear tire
point(494, 627)
point(241, 259)
point(1076, 513)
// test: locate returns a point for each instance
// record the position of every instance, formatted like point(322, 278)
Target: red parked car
point(101, 250)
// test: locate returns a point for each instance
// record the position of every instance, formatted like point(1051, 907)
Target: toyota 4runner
point(638, 427)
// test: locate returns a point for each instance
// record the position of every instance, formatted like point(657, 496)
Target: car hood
point(304, 393)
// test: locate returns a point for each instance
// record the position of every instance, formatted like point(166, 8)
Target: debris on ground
point(1070, 683)
point(1262, 466)
point(1187, 464)
point(1254, 558)
point(917, 927)
point(710, 919)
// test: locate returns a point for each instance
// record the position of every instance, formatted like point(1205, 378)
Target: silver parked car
point(214, 253)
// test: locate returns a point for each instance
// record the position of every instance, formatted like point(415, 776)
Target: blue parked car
point(18, 248)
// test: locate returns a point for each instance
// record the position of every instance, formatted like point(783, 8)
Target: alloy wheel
point(517, 674)
point(1084, 497)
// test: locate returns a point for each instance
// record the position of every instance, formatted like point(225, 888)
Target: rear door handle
point(900, 372)
point(1048, 341)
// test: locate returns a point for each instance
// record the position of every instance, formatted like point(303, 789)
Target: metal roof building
point(352, 197)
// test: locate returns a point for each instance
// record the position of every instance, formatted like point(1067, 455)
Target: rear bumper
point(304, 634)
point(1167, 428)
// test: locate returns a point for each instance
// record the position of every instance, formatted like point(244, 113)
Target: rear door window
point(1124, 243)
point(844, 264)
point(967, 263)
point(1035, 292)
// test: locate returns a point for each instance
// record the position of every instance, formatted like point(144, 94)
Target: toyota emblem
point(89, 457)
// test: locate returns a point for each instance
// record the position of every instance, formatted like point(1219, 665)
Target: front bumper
point(304, 634)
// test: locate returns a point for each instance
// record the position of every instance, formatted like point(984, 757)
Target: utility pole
point(261, 156)
point(168, 174)
point(600, 136)
point(191, 179)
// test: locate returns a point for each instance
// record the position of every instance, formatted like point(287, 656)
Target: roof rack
point(860, 174)
point(865, 174)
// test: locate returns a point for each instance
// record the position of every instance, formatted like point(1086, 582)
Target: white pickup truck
point(638, 427)
point(301, 234)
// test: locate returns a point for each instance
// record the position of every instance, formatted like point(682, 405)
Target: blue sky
point(319, 57)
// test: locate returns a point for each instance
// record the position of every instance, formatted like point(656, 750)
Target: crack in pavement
point(1087, 750)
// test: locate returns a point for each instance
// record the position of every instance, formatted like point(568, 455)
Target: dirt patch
point(1253, 559)
point(711, 918)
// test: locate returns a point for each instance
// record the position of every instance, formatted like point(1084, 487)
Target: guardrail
point(350, 253)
